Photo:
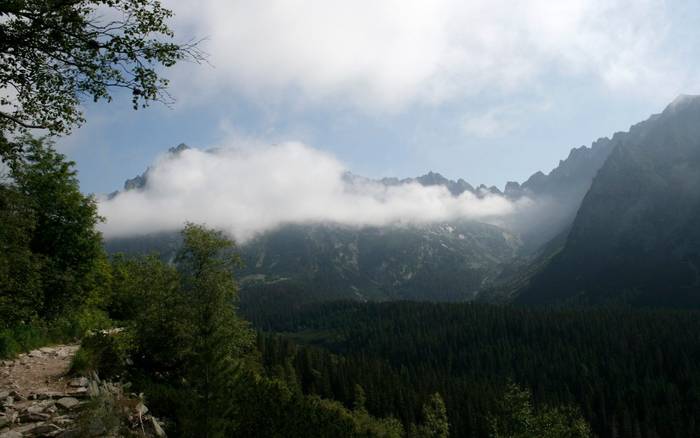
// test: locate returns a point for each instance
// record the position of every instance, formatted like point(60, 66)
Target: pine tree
point(435, 423)
point(219, 338)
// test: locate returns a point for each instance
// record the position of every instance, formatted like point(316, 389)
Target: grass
point(36, 334)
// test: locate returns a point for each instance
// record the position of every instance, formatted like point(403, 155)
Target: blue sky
point(488, 91)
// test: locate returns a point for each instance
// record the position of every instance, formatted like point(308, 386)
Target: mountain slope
point(635, 238)
point(318, 262)
point(419, 262)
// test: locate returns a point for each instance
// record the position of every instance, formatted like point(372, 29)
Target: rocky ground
point(38, 399)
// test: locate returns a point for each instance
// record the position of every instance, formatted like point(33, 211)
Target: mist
point(245, 190)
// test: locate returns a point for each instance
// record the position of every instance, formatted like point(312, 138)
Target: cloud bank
point(246, 190)
point(386, 55)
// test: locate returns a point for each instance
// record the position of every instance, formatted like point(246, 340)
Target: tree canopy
point(54, 54)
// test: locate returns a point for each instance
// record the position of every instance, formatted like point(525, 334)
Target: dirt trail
point(37, 399)
point(38, 372)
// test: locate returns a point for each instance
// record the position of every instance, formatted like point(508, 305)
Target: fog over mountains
point(310, 229)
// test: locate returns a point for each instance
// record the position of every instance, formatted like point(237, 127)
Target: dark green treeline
point(631, 373)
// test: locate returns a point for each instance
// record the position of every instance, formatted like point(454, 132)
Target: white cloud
point(252, 188)
point(385, 55)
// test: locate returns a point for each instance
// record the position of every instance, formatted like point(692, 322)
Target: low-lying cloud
point(248, 190)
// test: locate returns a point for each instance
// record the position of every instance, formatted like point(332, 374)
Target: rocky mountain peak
point(683, 101)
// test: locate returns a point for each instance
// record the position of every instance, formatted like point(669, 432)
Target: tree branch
point(20, 122)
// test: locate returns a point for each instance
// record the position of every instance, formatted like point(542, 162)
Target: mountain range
point(616, 222)
point(636, 236)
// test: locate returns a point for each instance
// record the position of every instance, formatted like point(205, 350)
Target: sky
point(486, 90)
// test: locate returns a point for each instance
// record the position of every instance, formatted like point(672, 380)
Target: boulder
point(67, 402)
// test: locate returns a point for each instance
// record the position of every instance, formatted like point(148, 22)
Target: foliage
point(270, 408)
point(62, 238)
point(54, 54)
point(435, 423)
point(105, 351)
point(188, 342)
point(629, 372)
point(110, 413)
point(195, 359)
point(20, 269)
point(22, 338)
point(217, 340)
point(53, 271)
point(37, 333)
point(516, 418)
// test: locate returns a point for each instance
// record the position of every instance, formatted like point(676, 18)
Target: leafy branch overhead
point(54, 54)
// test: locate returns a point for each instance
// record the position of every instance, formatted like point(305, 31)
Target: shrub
point(22, 338)
point(108, 354)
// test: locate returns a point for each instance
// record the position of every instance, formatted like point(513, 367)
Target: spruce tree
point(218, 337)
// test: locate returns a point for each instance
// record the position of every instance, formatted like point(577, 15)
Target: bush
point(77, 324)
point(22, 338)
point(108, 354)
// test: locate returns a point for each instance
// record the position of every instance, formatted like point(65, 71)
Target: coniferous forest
point(631, 373)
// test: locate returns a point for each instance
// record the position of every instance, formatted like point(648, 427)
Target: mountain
point(444, 261)
point(317, 262)
point(636, 236)
point(558, 194)
point(634, 184)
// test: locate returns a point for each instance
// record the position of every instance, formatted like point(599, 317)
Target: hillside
point(635, 238)
point(321, 262)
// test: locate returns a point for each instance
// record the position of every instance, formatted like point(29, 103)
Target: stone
point(11, 434)
point(11, 416)
point(157, 429)
point(9, 401)
point(47, 350)
point(33, 417)
point(67, 402)
point(78, 382)
point(44, 429)
point(49, 395)
point(78, 392)
point(93, 389)
point(36, 408)
point(63, 420)
point(24, 428)
point(141, 409)
point(4, 421)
